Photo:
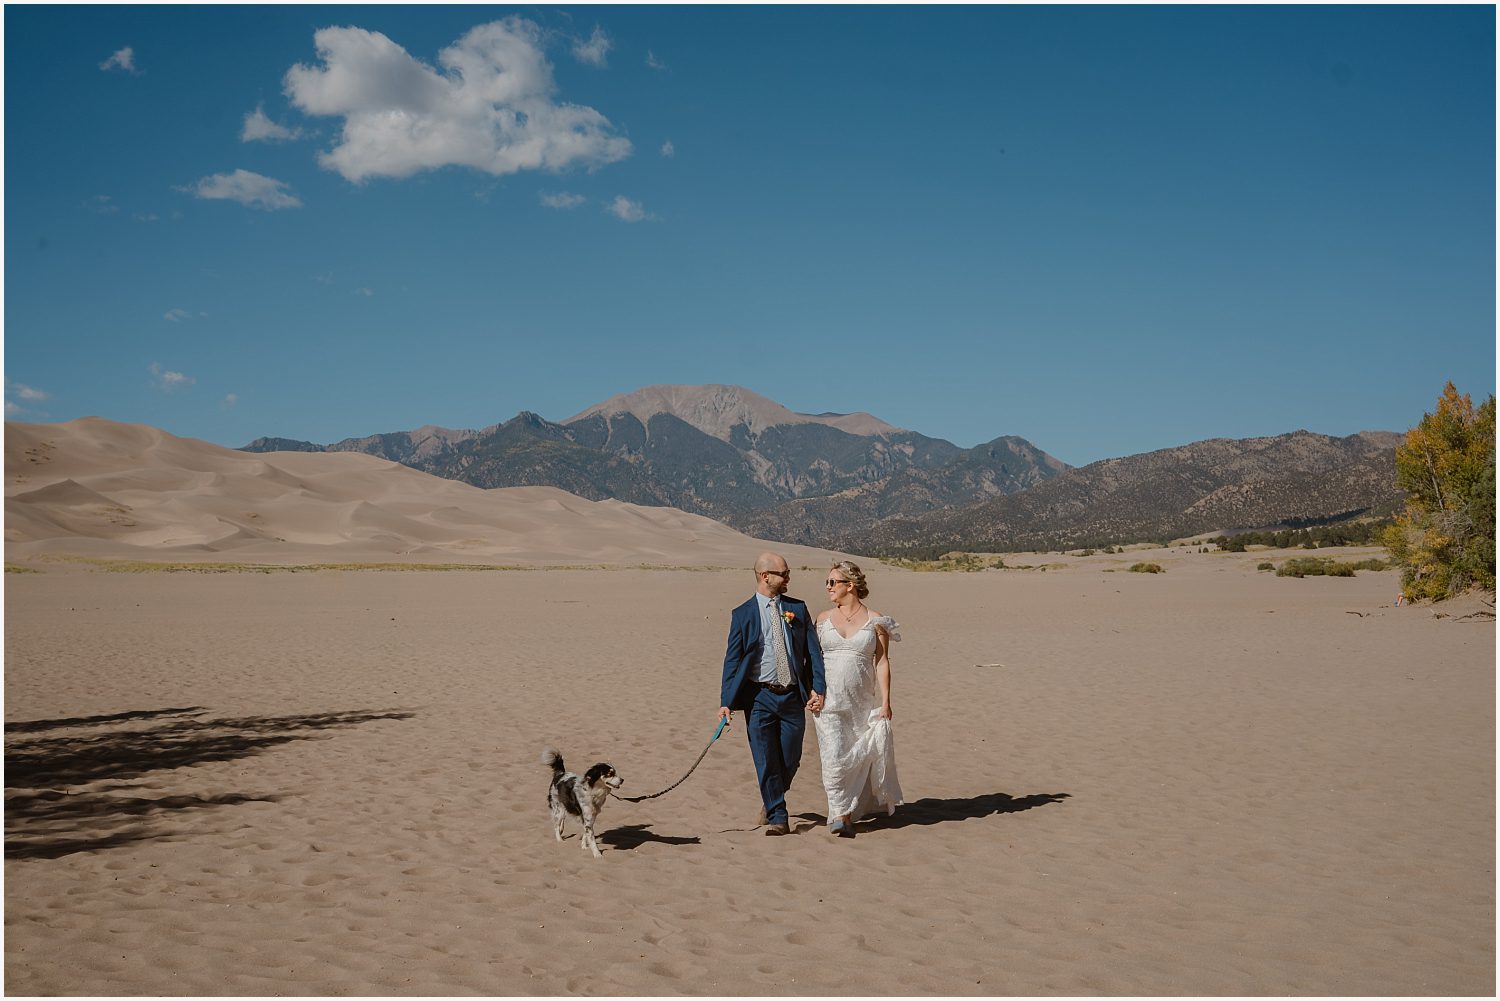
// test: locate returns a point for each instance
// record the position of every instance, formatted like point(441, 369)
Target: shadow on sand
point(927, 812)
point(633, 836)
point(40, 725)
point(49, 811)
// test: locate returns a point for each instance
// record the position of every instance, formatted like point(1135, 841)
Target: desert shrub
point(1313, 566)
point(1444, 542)
point(1147, 568)
point(1265, 566)
point(963, 562)
point(1309, 566)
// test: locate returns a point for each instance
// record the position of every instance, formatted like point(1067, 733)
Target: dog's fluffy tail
point(551, 759)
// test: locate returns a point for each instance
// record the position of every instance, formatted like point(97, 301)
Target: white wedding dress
point(854, 743)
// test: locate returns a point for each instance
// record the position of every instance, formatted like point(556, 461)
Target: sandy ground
point(1208, 781)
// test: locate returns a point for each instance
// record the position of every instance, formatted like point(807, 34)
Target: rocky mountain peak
point(717, 409)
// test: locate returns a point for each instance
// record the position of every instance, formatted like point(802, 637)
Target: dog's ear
point(602, 770)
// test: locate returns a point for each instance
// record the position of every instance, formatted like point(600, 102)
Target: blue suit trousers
point(775, 725)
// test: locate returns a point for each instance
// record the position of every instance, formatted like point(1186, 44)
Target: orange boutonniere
point(789, 616)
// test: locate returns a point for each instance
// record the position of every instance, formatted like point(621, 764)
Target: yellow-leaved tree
point(1444, 542)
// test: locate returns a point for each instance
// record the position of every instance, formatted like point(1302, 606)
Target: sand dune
point(96, 487)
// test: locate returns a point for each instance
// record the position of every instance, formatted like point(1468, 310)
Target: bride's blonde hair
point(854, 575)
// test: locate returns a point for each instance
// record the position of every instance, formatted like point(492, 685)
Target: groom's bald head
point(769, 561)
point(771, 574)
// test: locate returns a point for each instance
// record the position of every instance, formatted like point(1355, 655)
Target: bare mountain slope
point(722, 451)
point(1214, 485)
point(717, 410)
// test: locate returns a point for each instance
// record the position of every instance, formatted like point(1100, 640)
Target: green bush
point(1147, 568)
point(1302, 567)
point(1312, 566)
point(1265, 566)
point(1444, 542)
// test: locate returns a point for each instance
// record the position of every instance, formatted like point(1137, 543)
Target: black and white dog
point(582, 796)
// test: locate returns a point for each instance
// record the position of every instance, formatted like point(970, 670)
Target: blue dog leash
point(723, 722)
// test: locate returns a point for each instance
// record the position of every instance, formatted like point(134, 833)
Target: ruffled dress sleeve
point(891, 626)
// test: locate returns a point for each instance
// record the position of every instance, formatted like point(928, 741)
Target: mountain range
point(859, 484)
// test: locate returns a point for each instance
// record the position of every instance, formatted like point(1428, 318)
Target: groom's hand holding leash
point(725, 715)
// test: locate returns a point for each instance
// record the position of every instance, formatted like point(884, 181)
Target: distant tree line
point(1367, 532)
point(1351, 533)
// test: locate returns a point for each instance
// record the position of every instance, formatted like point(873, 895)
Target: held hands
point(815, 704)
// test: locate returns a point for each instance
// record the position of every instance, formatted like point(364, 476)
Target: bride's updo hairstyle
point(854, 575)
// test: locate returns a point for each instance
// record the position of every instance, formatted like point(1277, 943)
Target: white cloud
point(229, 401)
point(247, 188)
point(259, 128)
point(491, 106)
point(364, 292)
point(145, 216)
point(123, 59)
point(626, 210)
point(167, 381)
point(177, 315)
point(103, 204)
point(28, 393)
point(668, 150)
point(562, 199)
point(595, 51)
point(654, 62)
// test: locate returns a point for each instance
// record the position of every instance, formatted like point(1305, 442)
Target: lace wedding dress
point(859, 758)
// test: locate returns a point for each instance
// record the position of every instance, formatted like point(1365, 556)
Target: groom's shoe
point(777, 830)
point(760, 820)
point(841, 829)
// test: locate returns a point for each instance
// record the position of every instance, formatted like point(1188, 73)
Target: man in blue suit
point(773, 669)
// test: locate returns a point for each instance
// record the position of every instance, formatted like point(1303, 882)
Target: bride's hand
point(885, 712)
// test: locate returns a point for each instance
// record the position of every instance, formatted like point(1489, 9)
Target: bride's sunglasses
point(830, 582)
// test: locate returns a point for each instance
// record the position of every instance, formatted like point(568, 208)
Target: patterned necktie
point(778, 643)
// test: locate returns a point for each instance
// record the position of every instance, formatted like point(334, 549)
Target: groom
point(773, 668)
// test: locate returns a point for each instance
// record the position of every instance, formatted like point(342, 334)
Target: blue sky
point(1106, 230)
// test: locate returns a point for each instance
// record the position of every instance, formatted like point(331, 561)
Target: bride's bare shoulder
point(823, 615)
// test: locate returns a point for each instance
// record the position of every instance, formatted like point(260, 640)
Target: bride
point(854, 726)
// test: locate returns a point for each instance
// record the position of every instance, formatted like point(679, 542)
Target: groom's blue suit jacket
point(743, 652)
